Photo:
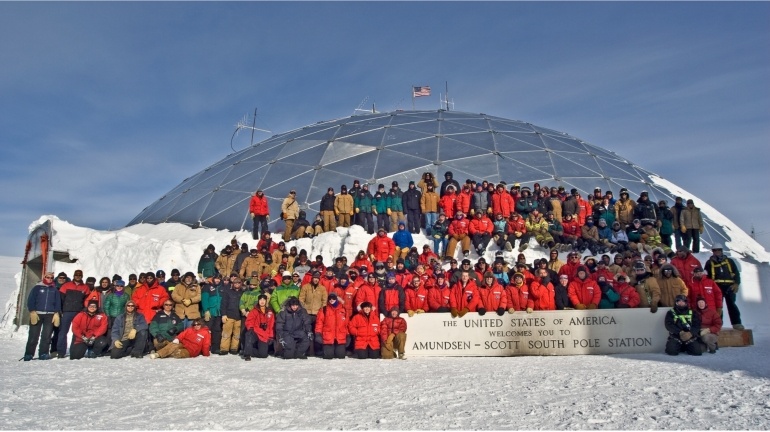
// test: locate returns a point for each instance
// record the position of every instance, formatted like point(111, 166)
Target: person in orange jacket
point(629, 297)
point(368, 292)
point(259, 212)
point(260, 330)
point(493, 295)
point(584, 292)
point(702, 286)
point(365, 328)
point(543, 292)
point(150, 298)
point(416, 297)
point(393, 336)
point(381, 247)
point(519, 298)
point(480, 229)
point(192, 342)
point(502, 202)
point(710, 325)
point(464, 296)
point(448, 203)
point(440, 295)
point(458, 233)
point(89, 329)
point(331, 328)
point(463, 202)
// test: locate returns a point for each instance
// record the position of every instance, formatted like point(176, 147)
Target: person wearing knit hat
point(89, 330)
point(326, 210)
point(412, 200)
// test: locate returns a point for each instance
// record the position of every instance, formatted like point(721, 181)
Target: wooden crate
point(735, 338)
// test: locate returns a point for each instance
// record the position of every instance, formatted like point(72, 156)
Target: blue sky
point(104, 107)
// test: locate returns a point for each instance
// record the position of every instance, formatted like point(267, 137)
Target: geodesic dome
point(401, 145)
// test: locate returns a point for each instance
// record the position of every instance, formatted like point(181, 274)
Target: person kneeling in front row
point(393, 335)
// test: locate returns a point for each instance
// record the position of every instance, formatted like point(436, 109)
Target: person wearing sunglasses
point(165, 325)
point(129, 333)
point(43, 303)
point(192, 342)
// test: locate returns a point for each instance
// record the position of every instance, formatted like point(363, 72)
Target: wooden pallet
point(735, 338)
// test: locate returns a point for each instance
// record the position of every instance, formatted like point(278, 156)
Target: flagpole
point(446, 94)
point(412, 91)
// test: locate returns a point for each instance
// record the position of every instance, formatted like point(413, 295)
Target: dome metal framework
point(401, 146)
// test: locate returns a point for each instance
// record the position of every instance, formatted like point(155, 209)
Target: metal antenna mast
point(242, 125)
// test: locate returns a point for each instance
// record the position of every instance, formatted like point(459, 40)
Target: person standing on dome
point(380, 207)
point(260, 213)
point(448, 181)
point(412, 200)
point(395, 206)
point(290, 212)
point(691, 225)
point(327, 210)
point(343, 207)
point(363, 207)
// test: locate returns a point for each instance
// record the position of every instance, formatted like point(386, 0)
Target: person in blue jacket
point(44, 305)
point(403, 240)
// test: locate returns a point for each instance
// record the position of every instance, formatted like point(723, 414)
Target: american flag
point(420, 91)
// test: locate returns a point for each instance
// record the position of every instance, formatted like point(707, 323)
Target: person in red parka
point(365, 328)
point(629, 297)
point(463, 202)
point(363, 261)
point(260, 330)
point(260, 214)
point(543, 292)
point(584, 292)
point(393, 335)
point(440, 295)
point(150, 298)
point(519, 298)
point(381, 247)
point(192, 342)
point(464, 296)
point(89, 329)
point(493, 295)
point(458, 232)
point(480, 229)
point(571, 266)
point(702, 286)
point(502, 202)
point(685, 262)
point(368, 292)
point(331, 328)
point(710, 325)
point(416, 297)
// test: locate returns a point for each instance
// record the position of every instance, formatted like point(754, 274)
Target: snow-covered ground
point(729, 390)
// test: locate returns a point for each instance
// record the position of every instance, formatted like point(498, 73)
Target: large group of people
point(254, 302)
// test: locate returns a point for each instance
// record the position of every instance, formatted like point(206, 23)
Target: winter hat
point(371, 276)
point(344, 188)
point(261, 296)
point(331, 297)
point(190, 274)
point(291, 301)
point(466, 261)
point(680, 297)
point(639, 265)
point(93, 302)
point(582, 269)
point(315, 274)
point(394, 184)
point(401, 224)
point(286, 275)
point(366, 304)
point(116, 277)
point(380, 186)
point(120, 283)
point(411, 183)
point(391, 275)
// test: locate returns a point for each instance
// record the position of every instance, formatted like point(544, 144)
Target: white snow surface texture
point(727, 390)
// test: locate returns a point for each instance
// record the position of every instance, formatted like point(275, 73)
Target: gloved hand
point(705, 331)
point(263, 326)
point(529, 310)
point(374, 210)
point(273, 273)
point(684, 230)
point(437, 236)
point(685, 336)
point(118, 344)
point(410, 313)
point(200, 276)
point(653, 308)
point(319, 339)
point(454, 312)
point(701, 230)
point(481, 311)
point(176, 341)
point(207, 316)
point(389, 212)
point(186, 302)
point(132, 334)
point(244, 312)
point(462, 312)
point(224, 319)
point(719, 311)
point(591, 306)
point(580, 306)
point(282, 342)
point(473, 212)
point(735, 287)
point(33, 318)
point(357, 210)
point(55, 319)
point(500, 311)
point(336, 212)
point(419, 311)
point(489, 210)
point(511, 310)
point(252, 215)
point(310, 335)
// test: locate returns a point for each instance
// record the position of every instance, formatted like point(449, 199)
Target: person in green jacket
point(115, 302)
point(211, 307)
point(380, 207)
point(206, 263)
point(165, 325)
point(285, 290)
point(362, 201)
